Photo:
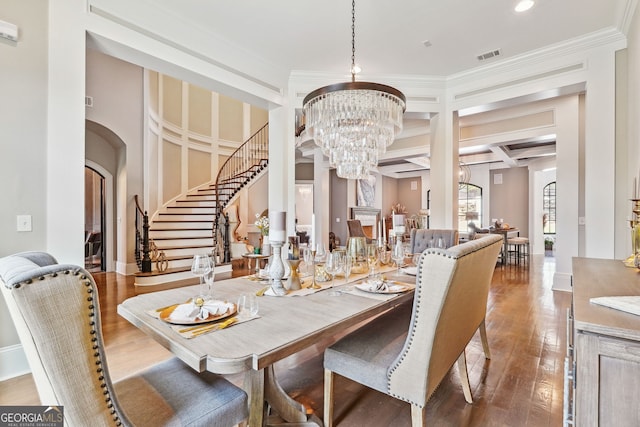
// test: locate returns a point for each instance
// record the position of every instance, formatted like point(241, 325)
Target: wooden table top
point(286, 324)
point(604, 278)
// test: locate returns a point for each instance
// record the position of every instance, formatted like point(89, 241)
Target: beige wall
point(510, 199)
point(410, 197)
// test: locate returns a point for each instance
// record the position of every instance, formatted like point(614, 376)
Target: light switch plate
point(23, 222)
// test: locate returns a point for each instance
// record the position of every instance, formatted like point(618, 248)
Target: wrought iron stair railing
point(241, 167)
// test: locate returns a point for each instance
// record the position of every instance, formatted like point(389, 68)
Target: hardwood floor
point(521, 385)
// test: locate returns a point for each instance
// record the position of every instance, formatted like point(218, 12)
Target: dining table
point(283, 326)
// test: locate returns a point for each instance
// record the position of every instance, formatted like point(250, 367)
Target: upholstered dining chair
point(56, 312)
point(354, 227)
point(407, 351)
point(423, 238)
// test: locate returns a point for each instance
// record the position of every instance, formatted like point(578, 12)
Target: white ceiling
point(390, 40)
point(316, 35)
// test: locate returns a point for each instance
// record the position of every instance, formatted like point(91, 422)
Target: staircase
point(194, 224)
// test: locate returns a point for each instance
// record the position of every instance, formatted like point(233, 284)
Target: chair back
point(57, 316)
point(450, 302)
point(354, 226)
point(421, 238)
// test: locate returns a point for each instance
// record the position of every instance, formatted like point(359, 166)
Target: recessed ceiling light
point(426, 43)
point(524, 5)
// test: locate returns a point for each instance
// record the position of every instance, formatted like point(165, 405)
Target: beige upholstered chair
point(422, 239)
point(56, 312)
point(407, 351)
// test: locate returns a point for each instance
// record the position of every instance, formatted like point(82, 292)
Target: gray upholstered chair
point(57, 315)
point(423, 238)
point(407, 351)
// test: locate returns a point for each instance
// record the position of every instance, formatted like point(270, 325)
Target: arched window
point(469, 205)
point(549, 208)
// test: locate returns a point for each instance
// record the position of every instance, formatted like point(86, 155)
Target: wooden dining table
point(285, 326)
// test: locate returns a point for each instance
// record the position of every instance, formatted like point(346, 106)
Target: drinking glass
point(346, 267)
point(440, 243)
point(356, 249)
point(398, 254)
point(248, 305)
point(201, 266)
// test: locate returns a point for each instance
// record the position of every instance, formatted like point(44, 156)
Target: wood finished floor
point(520, 386)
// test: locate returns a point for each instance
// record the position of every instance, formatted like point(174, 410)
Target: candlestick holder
point(276, 270)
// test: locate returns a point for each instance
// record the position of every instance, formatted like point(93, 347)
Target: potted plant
point(548, 243)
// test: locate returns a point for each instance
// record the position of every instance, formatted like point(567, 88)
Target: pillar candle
point(277, 226)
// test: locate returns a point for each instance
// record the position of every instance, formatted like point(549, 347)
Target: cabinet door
point(607, 381)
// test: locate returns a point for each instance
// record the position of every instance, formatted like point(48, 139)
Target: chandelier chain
point(353, 40)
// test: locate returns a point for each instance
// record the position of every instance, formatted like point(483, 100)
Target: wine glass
point(201, 266)
point(398, 254)
point(440, 243)
point(308, 259)
point(372, 259)
point(346, 267)
point(332, 265)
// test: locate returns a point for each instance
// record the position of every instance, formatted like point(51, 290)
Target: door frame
point(108, 225)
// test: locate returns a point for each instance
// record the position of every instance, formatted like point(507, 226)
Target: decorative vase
point(265, 247)
point(293, 282)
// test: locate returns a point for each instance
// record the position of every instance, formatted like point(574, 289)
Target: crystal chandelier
point(354, 122)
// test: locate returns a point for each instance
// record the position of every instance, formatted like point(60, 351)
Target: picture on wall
point(366, 191)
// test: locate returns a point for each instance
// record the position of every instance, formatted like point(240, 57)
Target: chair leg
point(464, 377)
point(485, 342)
point(328, 398)
point(418, 418)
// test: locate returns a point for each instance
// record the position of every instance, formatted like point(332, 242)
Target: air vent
point(88, 101)
point(488, 55)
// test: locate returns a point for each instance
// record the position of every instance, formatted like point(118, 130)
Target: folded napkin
point(629, 304)
point(190, 311)
point(383, 286)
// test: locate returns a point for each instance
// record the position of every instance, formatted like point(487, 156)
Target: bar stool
point(518, 248)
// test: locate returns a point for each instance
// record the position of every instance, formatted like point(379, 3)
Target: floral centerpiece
point(262, 223)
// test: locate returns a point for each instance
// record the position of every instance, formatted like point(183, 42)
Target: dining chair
point(423, 238)
point(354, 227)
point(406, 352)
point(56, 312)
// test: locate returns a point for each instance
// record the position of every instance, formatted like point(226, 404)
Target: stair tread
point(181, 229)
point(171, 248)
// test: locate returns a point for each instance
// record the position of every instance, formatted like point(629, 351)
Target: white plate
point(412, 271)
point(393, 288)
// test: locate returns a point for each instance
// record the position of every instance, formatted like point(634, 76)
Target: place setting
point(202, 314)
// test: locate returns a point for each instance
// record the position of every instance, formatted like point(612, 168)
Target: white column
point(65, 131)
point(279, 159)
point(444, 170)
point(321, 199)
point(567, 189)
point(599, 156)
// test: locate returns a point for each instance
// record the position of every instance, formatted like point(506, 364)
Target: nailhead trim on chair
point(94, 339)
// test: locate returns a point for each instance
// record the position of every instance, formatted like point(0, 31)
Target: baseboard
point(562, 282)
point(13, 362)
point(126, 269)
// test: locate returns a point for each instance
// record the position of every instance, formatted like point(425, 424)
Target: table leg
point(265, 391)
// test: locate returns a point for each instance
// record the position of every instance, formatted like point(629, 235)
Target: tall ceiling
point(408, 37)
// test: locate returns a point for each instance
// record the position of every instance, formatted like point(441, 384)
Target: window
point(469, 206)
point(549, 208)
